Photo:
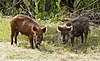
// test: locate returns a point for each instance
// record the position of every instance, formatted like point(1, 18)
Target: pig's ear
point(44, 29)
point(34, 28)
point(60, 28)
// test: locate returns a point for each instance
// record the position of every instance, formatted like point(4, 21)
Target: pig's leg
point(31, 41)
point(72, 41)
point(12, 36)
point(16, 34)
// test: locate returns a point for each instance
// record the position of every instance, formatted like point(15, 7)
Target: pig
point(26, 26)
point(78, 27)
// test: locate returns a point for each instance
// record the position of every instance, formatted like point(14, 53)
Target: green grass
point(4, 29)
point(51, 42)
point(16, 56)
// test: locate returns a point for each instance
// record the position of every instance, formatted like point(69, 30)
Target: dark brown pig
point(26, 26)
point(77, 27)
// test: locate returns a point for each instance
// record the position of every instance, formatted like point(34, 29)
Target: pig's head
point(65, 30)
point(38, 34)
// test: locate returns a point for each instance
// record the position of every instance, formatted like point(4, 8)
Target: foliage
point(45, 9)
point(27, 2)
point(80, 5)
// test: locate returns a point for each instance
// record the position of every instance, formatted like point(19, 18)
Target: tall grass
point(4, 29)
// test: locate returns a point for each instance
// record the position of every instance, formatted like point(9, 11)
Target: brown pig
point(25, 25)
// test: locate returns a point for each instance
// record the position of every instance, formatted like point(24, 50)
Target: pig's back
point(24, 24)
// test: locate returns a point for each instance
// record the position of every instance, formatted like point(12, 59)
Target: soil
point(14, 53)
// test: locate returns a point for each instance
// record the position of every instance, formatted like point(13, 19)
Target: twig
point(14, 5)
point(86, 6)
point(27, 11)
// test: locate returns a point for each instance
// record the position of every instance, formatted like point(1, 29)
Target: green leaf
point(27, 2)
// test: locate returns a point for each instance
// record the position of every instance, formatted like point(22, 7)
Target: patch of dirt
point(14, 53)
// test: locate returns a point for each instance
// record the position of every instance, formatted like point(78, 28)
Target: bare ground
point(14, 53)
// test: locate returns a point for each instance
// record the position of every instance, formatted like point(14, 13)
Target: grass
point(13, 56)
point(51, 42)
point(4, 30)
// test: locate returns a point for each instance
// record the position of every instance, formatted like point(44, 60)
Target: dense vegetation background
point(47, 9)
